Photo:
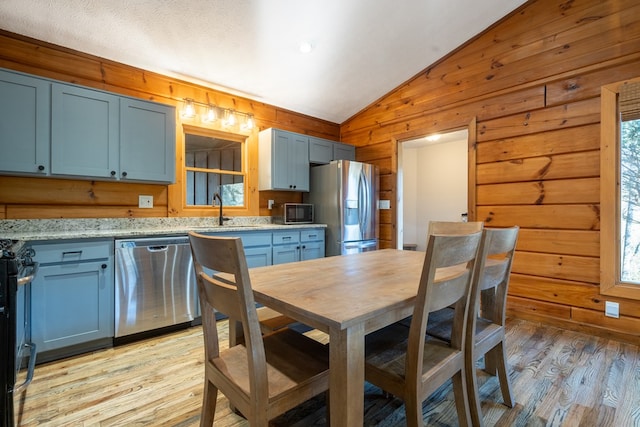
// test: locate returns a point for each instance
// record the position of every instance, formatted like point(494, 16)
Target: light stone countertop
point(53, 229)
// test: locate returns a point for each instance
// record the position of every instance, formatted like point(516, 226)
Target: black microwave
point(298, 213)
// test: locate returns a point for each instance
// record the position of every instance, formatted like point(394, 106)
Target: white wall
point(434, 187)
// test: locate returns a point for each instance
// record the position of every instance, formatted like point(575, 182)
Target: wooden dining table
point(347, 297)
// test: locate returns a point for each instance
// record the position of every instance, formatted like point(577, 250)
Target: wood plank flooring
point(560, 378)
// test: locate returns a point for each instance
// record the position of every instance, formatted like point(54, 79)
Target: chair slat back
point(454, 255)
point(228, 290)
point(497, 251)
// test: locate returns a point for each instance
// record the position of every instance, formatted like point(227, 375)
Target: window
point(620, 190)
point(214, 164)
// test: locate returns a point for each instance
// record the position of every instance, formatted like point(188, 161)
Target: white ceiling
point(362, 49)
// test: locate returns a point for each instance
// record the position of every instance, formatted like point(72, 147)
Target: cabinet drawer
point(285, 237)
point(255, 239)
point(248, 239)
point(312, 235)
point(49, 253)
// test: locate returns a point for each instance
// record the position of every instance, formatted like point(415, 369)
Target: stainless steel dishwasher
point(155, 284)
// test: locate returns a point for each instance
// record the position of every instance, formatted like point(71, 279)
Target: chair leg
point(209, 400)
point(461, 394)
point(473, 397)
point(503, 375)
point(413, 411)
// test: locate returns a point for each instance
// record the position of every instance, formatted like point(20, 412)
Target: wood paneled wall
point(532, 83)
point(34, 198)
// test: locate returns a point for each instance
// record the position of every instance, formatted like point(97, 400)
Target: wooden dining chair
point(266, 375)
point(486, 321)
point(405, 361)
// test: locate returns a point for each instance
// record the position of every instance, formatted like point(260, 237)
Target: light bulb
point(231, 118)
point(211, 114)
point(189, 111)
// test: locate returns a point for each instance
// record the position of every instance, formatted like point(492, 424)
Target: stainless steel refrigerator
point(345, 197)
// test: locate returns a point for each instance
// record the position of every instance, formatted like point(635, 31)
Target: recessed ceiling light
point(306, 47)
point(433, 138)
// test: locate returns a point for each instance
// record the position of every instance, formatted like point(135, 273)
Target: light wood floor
point(560, 378)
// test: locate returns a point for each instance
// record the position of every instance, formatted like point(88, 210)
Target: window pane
point(201, 186)
point(630, 201)
point(213, 156)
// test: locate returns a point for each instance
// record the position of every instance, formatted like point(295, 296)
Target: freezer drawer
point(359, 246)
point(155, 285)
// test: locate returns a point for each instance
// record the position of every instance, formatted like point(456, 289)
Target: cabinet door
point(84, 132)
point(284, 158)
point(72, 304)
point(24, 124)
point(344, 152)
point(258, 257)
point(320, 150)
point(281, 161)
point(286, 253)
point(311, 250)
point(147, 141)
point(299, 162)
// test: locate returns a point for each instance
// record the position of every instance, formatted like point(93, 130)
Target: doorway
point(432, 184)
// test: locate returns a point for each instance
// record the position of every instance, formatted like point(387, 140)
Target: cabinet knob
point(124, 174)
point(40, 168)
point(113, 173)
point(103, 266)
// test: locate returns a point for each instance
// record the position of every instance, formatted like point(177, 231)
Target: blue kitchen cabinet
point(344, 151)
point(297, 245)
point(84, 132)
point(65, 130)
point(323, 151)
point(72, 307)
point(312, 244)
point(320, 150)
point(284, 160)
point(99, 135)
point(24, 124)
point(257, 246)
point(147, 141)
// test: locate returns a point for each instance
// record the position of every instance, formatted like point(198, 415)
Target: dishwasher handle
point(158, 248)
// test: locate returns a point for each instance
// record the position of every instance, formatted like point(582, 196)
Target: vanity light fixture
point(230, 117)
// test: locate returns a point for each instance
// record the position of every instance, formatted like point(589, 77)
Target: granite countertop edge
point(59, 229)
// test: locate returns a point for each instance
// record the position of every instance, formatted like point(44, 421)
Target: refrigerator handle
point(363, 197)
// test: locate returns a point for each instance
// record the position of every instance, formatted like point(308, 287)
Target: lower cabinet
point(298, 245)
point(72, 297)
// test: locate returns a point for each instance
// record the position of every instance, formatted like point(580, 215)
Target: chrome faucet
point(221, 219)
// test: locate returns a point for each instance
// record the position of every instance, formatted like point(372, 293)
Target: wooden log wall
point(531, 84)
point(37, 198)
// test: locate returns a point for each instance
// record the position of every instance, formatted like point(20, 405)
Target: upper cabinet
point(284, 160)
point(147, 141)
point(84, 132)
point(322, 151)
point(24, 124)
point(94, 134)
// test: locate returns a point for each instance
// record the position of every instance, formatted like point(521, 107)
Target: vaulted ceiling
point(358, 49)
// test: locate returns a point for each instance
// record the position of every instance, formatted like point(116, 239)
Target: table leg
point(346, 379)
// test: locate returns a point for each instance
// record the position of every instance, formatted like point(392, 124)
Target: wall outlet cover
point(612, 309)
point(384, 204)
point(145, 202)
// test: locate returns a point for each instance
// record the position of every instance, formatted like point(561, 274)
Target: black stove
point(17, 270)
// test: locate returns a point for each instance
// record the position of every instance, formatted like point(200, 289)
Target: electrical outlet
point(145, 202)
point(611, 309)
point(384, 204)
point(270, 204)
